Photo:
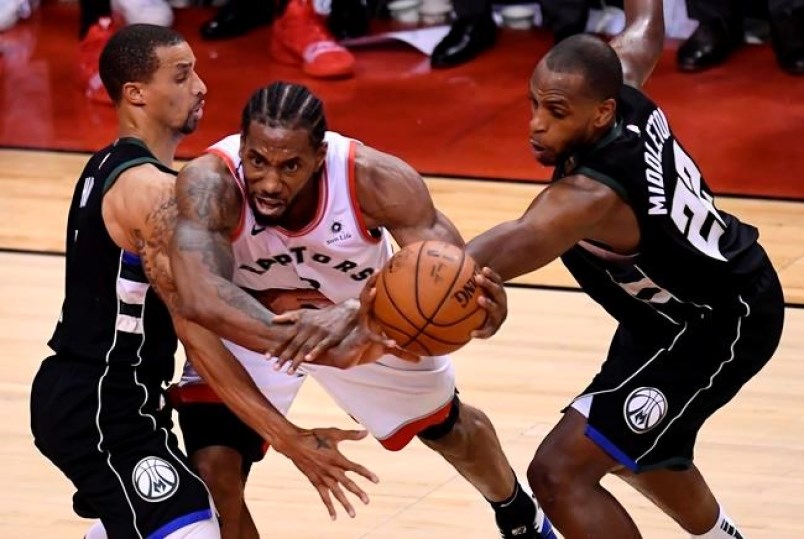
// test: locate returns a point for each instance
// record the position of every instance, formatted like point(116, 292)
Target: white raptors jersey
point(333, 254)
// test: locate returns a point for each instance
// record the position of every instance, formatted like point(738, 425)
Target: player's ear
point(605, 112)
point(320, 156)
point(242, 148)
point(132, 92)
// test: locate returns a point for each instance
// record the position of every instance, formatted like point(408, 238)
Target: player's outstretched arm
point(640, 43)
point(140, 214)
point(559, 217)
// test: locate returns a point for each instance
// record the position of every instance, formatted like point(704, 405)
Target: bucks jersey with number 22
point(334, 254)
point(692, 257)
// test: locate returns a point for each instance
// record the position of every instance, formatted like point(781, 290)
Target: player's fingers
point(322, 346)
point(491, 274)
point(289, 317)
point(337, 491)
point(493, 290)
point(361, 470)
point(490, 325)
point(340, 435)
point(290, 348)
point(323, 492)
point(401, 353)
point(306, 346)
point(352, 487)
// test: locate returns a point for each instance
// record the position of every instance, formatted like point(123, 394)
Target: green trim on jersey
point(605, 179)
point(122, 167)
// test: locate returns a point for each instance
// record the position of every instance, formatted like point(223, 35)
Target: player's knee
point(553, 474)
point(221, 472)
point(437, 433)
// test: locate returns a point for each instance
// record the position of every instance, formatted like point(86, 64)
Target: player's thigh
point(655, 391)
point(214, 425)
point(155, 484)
point(392, 398)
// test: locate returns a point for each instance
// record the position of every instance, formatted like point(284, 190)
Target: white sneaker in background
point(11, 11)
point(143, 11)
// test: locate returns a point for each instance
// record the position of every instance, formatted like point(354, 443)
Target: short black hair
point(130, 55)
point(591, 57)
point(287, 105)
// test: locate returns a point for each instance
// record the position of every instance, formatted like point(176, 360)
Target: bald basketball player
point(300, 215)
point(699, 304)
point(97, 404)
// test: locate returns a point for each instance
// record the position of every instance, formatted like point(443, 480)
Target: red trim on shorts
point(403, 436)
point(195, 393)
point(198, 393)
point(230, 165)
point(356, 211)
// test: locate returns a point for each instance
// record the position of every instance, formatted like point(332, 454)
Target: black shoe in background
point(468, 37)
point(709, 45)
point(348, 19)
point(238, 17)
point(787, 37)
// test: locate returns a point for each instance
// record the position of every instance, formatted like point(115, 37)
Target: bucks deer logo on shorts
point(155, 479)
point(644, 408)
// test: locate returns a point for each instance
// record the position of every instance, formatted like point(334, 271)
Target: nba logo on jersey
point(155, 479)
point(644, 408)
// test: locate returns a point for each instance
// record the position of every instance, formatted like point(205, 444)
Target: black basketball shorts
point(106, 431)
point(207, 424)
point(654, 391)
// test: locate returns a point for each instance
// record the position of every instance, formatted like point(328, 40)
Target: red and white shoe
point(89, 51)
point(300, 38)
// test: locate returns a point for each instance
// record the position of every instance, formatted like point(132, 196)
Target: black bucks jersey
point(110, 314)
point(692, 257)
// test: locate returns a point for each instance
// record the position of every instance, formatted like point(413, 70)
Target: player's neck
point(305, 207)
point(160, 140)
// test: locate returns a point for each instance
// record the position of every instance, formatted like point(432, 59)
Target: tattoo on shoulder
point(153, 247)
point(209, 197)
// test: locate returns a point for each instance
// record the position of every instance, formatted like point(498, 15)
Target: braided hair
point(287, 105)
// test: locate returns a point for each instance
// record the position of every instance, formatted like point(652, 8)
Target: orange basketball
point(427, 298)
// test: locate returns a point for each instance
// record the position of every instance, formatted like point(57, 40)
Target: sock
point(520, 516)
point(97, 531)
point(724, 528)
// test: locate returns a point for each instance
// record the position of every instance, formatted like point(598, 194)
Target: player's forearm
point(644, 21)
point(208, 297)
point(230, 381)
point(509, 250)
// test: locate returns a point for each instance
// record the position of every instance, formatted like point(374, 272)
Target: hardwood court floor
point(751, 452)
point(37, 186)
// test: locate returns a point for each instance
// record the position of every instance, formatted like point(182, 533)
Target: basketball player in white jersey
point(288, 206)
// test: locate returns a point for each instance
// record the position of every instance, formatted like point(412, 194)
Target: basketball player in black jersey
point(699, 305)
point(97, 405)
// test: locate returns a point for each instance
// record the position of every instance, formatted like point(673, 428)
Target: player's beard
point(262, 219)
point(190, 124)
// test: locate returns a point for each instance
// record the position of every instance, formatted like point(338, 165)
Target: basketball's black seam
point(416, 283)
point(438, 307)
point(439, 339)
point(458, 321)
point(400, 312)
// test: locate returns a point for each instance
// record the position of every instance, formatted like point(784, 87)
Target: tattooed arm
point(209, 206)
point(140, 214)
